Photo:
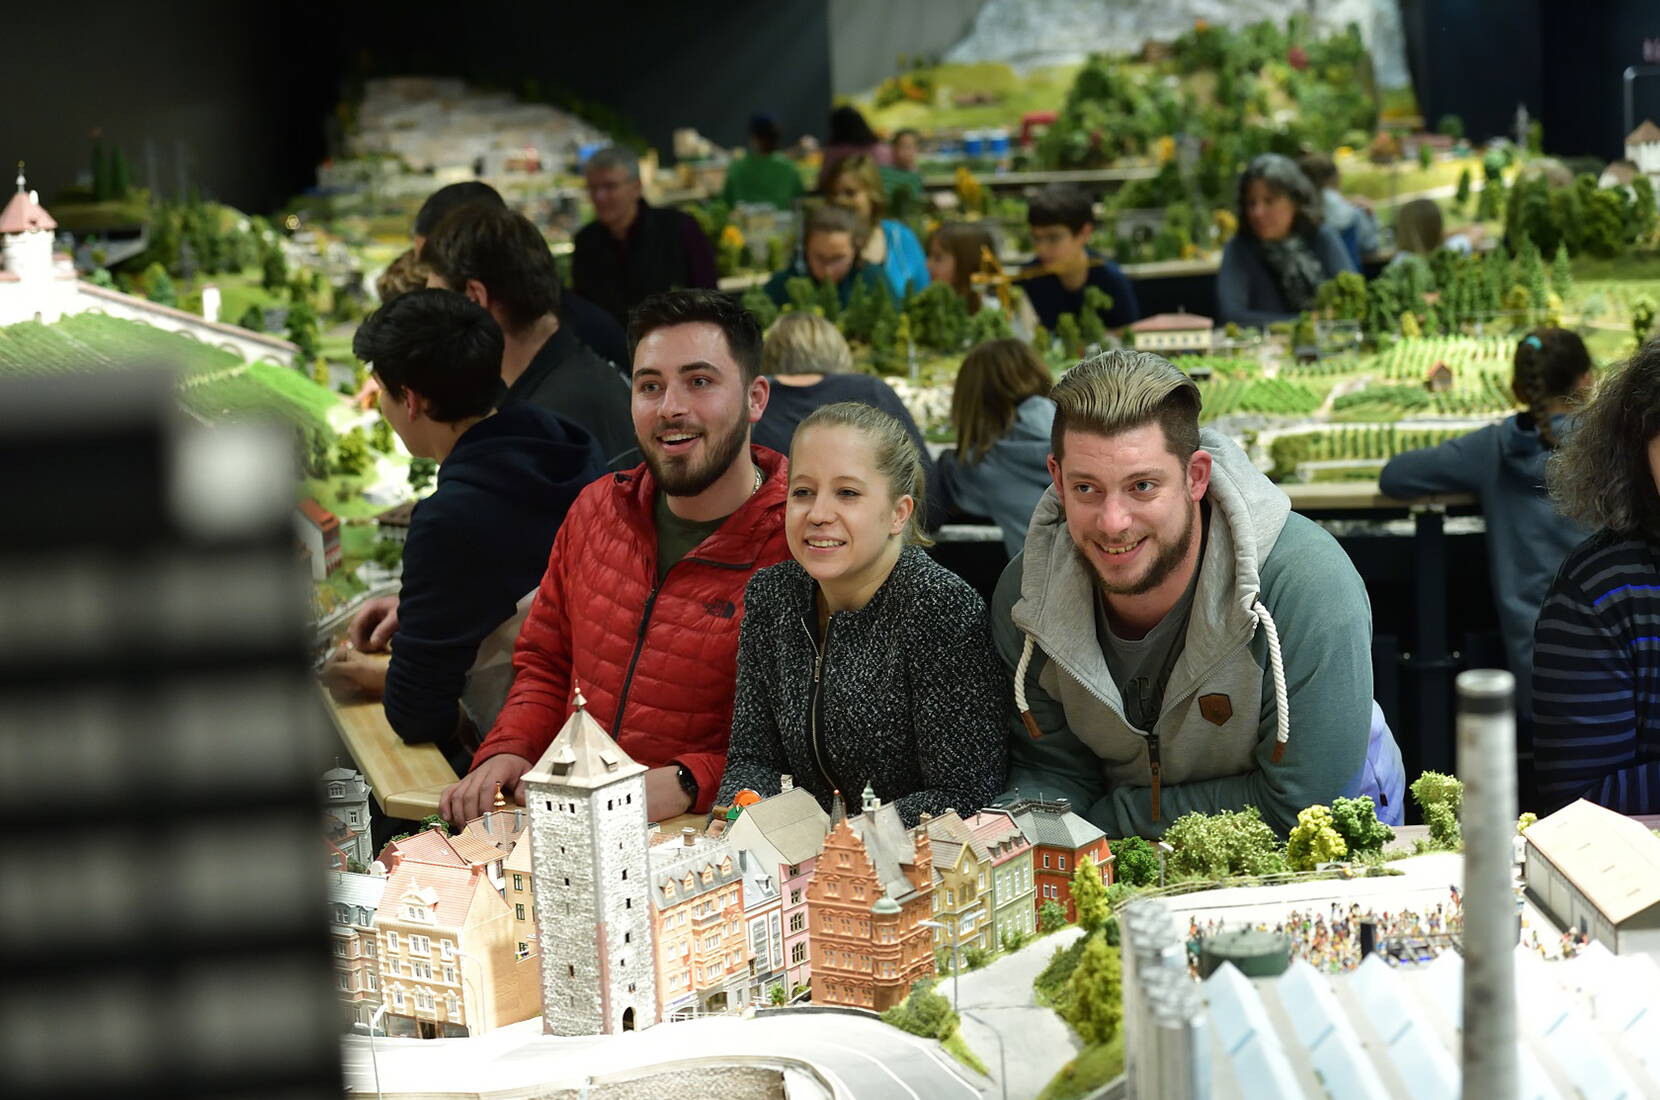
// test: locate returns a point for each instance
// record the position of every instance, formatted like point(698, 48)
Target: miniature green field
point(1371, 181)
point(1041, 89)
point(213, 383)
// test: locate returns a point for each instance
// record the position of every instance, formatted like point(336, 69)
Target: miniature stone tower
point(587, 803)
point(346, 814)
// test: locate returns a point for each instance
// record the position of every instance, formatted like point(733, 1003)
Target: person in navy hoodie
point(479, 544)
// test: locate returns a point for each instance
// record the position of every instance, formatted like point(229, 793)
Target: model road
point(867, 1059)
point(1036, 1042)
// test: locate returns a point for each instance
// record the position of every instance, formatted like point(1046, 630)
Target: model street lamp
point(373, 1061)
point(1002, 1059)
point(952, 928)
point(1165, 851)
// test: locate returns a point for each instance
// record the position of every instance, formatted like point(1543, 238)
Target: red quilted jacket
point(656, 664)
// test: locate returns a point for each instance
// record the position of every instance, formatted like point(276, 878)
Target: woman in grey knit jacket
point(863, 661)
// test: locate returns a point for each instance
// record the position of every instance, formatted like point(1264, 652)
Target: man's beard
point(1169, 557)
point(679, 478)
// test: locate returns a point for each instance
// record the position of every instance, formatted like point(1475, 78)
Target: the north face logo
point(722, 609)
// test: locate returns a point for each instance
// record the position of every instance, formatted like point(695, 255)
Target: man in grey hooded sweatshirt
point(1171, 624)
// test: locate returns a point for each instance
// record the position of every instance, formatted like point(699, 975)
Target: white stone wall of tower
point(600, 909)
point(29, 254)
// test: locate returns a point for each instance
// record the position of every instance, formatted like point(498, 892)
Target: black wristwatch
point(688, 781)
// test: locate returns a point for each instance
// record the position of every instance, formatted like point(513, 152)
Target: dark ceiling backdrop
point(232, 96)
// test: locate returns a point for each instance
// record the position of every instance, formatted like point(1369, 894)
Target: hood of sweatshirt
point(1522, 449)
point(524, 454)
point(1057, 591)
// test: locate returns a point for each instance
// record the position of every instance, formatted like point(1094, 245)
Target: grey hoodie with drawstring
point(1275, 594)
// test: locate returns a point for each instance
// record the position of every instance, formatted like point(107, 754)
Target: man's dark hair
point(848, 127)
point(1320, 169)
point(1059, 204)
point(764, 132)
point(502, 250)
point(439, 344)
point(450, 196)
point(691, 307)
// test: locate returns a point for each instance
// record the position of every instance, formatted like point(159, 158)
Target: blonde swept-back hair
point(994, 379)
point(864, 169)
point(402, 275)
point(896, 454)
point(1118, 391)
point(805, 343)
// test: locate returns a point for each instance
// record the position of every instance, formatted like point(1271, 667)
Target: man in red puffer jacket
point(643, 596)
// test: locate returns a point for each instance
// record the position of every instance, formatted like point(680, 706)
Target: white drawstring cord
point(1276, 670)
point(1020, 690)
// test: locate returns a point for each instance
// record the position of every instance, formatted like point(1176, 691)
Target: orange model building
point(870, 893)
point(1060, 839)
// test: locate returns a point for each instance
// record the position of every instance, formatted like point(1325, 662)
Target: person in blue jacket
point(1504, 464)
point(1003, 416)
point(856, 184)
point(1274, 265)
point(479, 544)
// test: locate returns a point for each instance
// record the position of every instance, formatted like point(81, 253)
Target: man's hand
point(665, 797)
point(476, 793)
point(349, 674)
point(374, 624)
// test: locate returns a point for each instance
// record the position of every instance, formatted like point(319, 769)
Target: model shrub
point(1135, 862)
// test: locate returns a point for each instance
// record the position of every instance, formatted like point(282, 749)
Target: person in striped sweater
point(1596, 652)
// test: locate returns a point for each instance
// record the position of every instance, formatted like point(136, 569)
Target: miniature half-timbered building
point(587, 802)
point(870, 892)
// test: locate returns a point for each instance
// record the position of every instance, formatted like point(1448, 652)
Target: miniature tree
point(1642, 319)
point(777, 995)
point(351, 456)
point(1134, 860)
point(320, 371)
point(1051, 915)
point(1519, 304)
point(1072, 341)
point(765, 310)
point(1013, 939)
point(1356, 821)
point(1343, 298)
point(1426, 155)
point(923, 1012)
point(1089, 894)
point(252, 319)
point(988, 325)
point(387, 553)
point(1313, 841)
point(1092, 328)
point(302, 330)
point(1093, 1002)
point(380, 436)
point(1490, 205)
point(865, 307)
point(273, 269)
point(1462, 196)
point(1443, 826)
point(1643, 213)
point(1451, 126)
point(938, 318)
point(421, 473)
point(158, 286)
point(802, 293)
point(1236, 842)
point(1042, 342)
point(434, 821)
point(1440, 796)
point(1524, 821)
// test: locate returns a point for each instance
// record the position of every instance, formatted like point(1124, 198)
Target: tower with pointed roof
point(587, 802)
point(36, 284)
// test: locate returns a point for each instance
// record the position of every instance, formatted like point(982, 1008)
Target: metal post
point(1487, 755)
point(373, 1060)
point(1002, 1056)
point(1432, 661)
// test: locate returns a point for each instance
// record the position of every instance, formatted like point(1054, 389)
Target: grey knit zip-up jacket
point(912, 696)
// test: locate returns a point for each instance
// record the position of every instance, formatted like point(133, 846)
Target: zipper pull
point(1153, 766)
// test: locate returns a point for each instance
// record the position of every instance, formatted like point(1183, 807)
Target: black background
point(233, 96)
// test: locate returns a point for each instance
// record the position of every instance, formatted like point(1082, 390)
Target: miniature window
point(625, 874)
point(343, 981)
point(420, 945)
point(796, 923)
point(336, 791)
point(522, 951)
point(628, 937)
point(369, 947)
point(369, 976)
point(1062, 860)
point(795, 897)
point(446, 948)
point(391, 941)
point(570, 970)
point(832, 889)
point(629, 801)
point(610, 803)
point(549, 804)
point(518, 882)
point(842, 859)
point(795, 869)
point(567, 880)
point(798, 953)
point(449, 975)
point(628, 903)
point(518, 912)
point(859, 890)
point(1046, 859)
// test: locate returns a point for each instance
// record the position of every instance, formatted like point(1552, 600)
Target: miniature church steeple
point(28, 232)
point(870, 801)
point(587, 802)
